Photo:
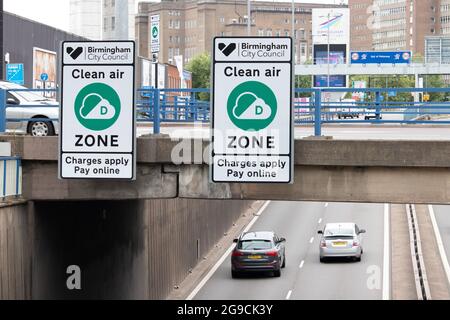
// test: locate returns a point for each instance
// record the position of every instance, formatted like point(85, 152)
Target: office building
point(85, 18)
point(392, 25)
point(103, 19)
point(118, 19)
point(187, 27)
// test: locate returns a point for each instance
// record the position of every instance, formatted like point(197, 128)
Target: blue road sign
point(44, 76)
point(15, 73)
point(374, 57)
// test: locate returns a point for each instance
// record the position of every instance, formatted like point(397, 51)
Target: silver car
point(341, 240)
point(40, 108)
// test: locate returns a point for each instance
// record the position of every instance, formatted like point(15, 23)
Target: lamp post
point(249, 21)
point(328, 50)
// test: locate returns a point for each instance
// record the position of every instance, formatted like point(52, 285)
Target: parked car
point(349, 110)
point(258, 252)
point(40, 108)
point(371, 113)
point(341, 240)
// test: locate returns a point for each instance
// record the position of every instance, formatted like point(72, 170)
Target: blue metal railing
point(193, 105)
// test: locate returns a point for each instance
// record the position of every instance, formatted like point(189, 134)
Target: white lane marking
point(301, 264)
point(326, 204)
point(311, 240)
point(440, 244)
point(288, 296)
point(225, 255)
point(320, 221)
point(386, 255)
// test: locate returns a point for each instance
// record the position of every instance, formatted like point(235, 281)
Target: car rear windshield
point(342, 237)
point(255, 244)
point(339, 233)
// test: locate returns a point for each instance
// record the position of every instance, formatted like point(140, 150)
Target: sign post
point(97, 116)
point(252, 117)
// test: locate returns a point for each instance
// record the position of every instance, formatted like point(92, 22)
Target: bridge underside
point(325, 170)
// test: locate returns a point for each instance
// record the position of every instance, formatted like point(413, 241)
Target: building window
point(113, 3)
point(113, 23)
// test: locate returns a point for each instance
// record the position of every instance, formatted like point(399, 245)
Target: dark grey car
point(258, 252)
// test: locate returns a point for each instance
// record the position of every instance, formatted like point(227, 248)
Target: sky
point(59, 10)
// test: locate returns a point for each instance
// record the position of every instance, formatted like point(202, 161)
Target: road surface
point(442, 214)
point(304, 276)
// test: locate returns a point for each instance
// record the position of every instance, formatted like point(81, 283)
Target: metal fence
point(374, 105)
point(11, 182)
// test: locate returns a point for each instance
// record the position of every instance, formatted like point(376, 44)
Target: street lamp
point(249, 21)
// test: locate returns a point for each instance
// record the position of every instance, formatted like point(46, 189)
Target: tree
point(304, 81)
point(200, 66)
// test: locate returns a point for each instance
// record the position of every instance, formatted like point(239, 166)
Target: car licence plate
point(255, 257)
point(339, 244)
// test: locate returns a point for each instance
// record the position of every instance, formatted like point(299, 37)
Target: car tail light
point(355, 243)
point(323, 244)
point(237, 254)
point(272, 253)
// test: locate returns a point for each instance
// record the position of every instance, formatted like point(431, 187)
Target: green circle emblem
point(97, 106)
point(252, 106)
point(155, 32)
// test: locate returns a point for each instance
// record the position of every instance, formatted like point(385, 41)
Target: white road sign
point(252, 110)
point(97, 116)
point(154, 33)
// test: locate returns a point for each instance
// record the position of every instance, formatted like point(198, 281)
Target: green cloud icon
point(254, 108)
point(95, 107)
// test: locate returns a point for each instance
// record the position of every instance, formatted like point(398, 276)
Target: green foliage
point(200, 66)
point(400, 81)
point(303, 82)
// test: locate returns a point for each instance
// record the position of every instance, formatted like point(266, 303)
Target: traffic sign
point(154, 33)
point(380, 57)
point(97, 136)
point(44, 76)
point(15, 73)
point(252, 110)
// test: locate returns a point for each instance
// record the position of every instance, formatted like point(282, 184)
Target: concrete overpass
point(374, 69)
point(378, 171)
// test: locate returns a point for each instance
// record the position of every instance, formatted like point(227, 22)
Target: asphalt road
point(304, 276)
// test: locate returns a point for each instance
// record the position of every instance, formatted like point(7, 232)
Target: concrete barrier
point(394, 171)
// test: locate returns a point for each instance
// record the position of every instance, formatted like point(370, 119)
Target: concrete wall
point(125, 249)
point(15, 252)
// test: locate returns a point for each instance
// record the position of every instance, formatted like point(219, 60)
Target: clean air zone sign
point(154, 34)
point(252, 110)
point(97, 136)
